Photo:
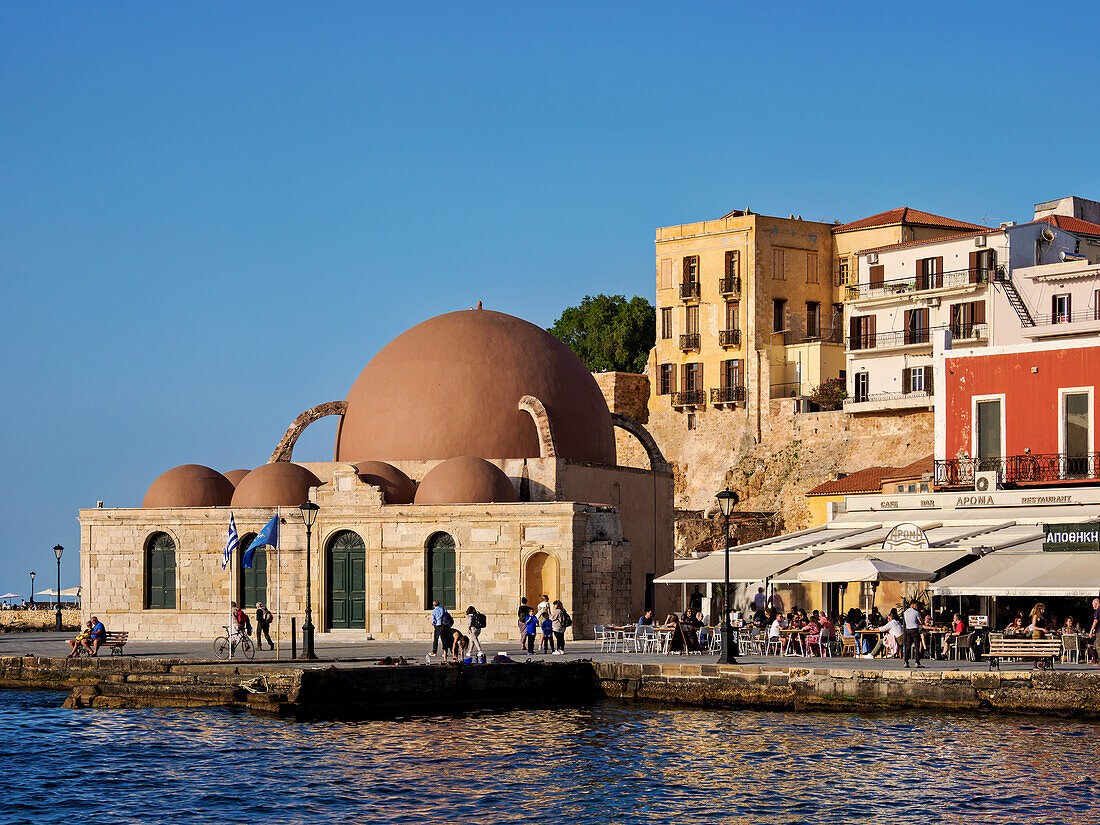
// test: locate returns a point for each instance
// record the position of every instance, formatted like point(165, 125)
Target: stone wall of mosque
point(494, 548)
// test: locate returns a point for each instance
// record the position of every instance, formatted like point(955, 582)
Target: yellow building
point(913, 478)
point(747, 310)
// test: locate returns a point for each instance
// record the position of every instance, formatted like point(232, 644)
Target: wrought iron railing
point(689, 290)
point(688, 398)
point(727, 395)
point(730, 285)
point(689, 341)
point(729, 337)
point(1073, 317)
point(886, 396)
point(918, 283)
point(1028, 468)
point(920, 335)
point(789, 389)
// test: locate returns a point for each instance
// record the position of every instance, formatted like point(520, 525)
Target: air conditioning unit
point(987, 482)
point(872, 257)
point(979, 241)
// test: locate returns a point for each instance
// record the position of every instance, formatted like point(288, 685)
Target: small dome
point(465, 480)
point(190, 485)
point(279, 484)
point(397, 487)
point(235, 476)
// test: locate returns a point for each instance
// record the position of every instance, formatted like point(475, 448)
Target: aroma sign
point(906, 537)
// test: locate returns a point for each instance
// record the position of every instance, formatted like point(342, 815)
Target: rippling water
point(605, 763)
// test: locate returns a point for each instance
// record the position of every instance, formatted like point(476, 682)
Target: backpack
point(480, 621)
point(566, 619)
point(447, 621)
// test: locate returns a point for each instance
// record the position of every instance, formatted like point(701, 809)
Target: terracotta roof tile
point(985, 230)
point(871, 479)
point(904, 214)
point(1071, 224)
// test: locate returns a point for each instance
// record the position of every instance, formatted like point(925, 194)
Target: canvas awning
point(930, 560)
point(867, 569)
point(1025, 574)
point(745, 566)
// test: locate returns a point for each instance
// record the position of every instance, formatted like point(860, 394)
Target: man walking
point(263, 625)
point(912, 631)
point(1095, 628)
point(441, 629)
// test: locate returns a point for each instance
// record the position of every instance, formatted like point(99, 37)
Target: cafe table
point(795, 635)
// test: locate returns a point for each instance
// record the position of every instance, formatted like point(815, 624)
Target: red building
point(1025, 413)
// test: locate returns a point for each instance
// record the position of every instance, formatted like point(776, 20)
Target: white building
point(1010, 285)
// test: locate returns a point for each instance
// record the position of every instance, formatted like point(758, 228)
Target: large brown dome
point(451, 385)
point(465, 480)
point(397, 488)
point(235, 476)
point(189, 485)
point(279, 484)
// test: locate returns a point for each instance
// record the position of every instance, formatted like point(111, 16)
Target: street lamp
point(309, 516)
point(57, 551)
point(32, 588)
point(727, 500)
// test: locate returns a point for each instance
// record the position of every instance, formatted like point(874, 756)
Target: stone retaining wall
point(22, 621)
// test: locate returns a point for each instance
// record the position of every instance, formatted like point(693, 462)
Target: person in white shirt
point(892, 634)
point(543, 610)
point(759, 601)
point(912, 619)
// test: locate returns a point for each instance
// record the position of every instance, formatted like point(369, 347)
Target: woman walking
point(559, 621)
point(476, 622)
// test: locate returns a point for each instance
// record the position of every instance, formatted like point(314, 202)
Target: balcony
point(954, 279)
point(916, 337)
point(888, 401)
point(727, 395)
point(1021, 470)
point(790, 389)
point(730, 285)
point(824, 336)
point(689, 342)
point(689, 291)
point(729, 337)
point(1064, 324)
point(689, 398)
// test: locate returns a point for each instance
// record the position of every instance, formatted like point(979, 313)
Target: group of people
point(454, 643)
point(548, 621)
point(90, 640)
point(684, 636)
point(240, 625)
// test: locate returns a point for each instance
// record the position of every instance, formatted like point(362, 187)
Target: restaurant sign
point(1071, 537)
point(905, 537)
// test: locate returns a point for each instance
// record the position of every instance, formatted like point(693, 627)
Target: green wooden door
point(347, 580)
point(254, 579)
point(161, 565)
point(441, 570)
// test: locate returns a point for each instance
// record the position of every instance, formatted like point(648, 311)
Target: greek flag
point(232, 543)
point(269, 536)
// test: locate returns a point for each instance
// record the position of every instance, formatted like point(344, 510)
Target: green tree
point(609, 332)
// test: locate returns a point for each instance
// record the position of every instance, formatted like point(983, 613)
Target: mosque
point(475, 463)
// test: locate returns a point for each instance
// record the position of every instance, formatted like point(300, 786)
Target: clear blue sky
point(213, 214)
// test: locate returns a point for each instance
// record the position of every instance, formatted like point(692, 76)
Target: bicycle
point(225, 645)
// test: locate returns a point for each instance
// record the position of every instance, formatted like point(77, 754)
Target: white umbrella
point(72, 592)
point(48, 592)
point(867, 569)
point(11, 596)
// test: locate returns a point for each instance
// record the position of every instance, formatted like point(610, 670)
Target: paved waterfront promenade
point(348, 654)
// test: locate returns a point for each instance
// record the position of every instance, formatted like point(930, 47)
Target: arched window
point(252, 582)
point(160, 572)
point(347, 580)
point(441, 570)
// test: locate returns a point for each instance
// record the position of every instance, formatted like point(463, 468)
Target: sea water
point(608, 762)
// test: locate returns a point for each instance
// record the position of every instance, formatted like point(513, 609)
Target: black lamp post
point(727, 499)
point(57, 551)
point(309, 516)
point(32, 588)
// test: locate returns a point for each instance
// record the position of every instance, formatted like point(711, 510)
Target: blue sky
point(213, 214)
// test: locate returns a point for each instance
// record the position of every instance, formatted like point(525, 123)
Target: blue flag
point(269, 536)
point(232, 543)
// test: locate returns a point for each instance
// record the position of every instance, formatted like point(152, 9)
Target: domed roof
point(235, 476)
point(280, 483)
point(189, 485)
point(451, 385)
point(465, 480)
point(397, 487)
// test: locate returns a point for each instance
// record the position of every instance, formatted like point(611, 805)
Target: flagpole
point(278, 592)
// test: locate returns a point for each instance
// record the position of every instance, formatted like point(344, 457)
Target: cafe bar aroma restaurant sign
point(905, 537)
point(1071, 537)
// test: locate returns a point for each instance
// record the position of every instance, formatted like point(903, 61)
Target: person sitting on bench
point(76, 644)
point(97, 638)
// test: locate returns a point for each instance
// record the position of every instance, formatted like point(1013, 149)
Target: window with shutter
point(811, 267)
point(906, 381)
point(779, 265)
point(666, 323)
point(876, 275)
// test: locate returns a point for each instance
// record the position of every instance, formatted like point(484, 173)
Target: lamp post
point(57, 551)
point(727, 499)
point(309, 516)
point(32, 588)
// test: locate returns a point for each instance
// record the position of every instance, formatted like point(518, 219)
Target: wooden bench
point(115, 640)
point(1037, 649)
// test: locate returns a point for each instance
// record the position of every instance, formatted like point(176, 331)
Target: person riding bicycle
point(239, 623)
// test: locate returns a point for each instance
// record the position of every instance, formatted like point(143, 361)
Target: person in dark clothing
point(263, 625)
point(695, 601)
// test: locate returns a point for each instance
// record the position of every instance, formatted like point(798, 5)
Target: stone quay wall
point(23, 621)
